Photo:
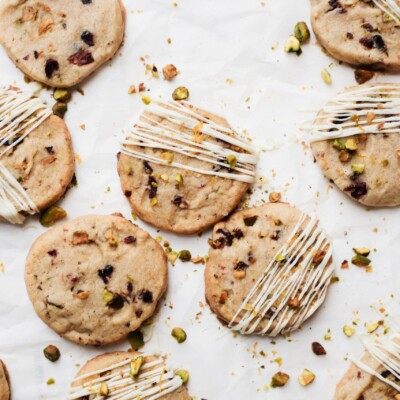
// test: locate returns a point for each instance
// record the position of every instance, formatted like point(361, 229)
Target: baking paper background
point(227, 51)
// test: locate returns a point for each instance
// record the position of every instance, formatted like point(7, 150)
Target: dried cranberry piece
point(240, 266)
point(81, 57)
point(368, 27)
point(51, 67)
point(349, 35)
point(379, 43)
point(367, 42)
point(86, 1)
point(147, 168)
point(117, 302)
point(50, 149)
point(237, 233)
point(227, 236)
point(357, 190)
point(53, 253)
point(105, 273)
point(88, 38)
point(128, 193)
point(129, 239)
point(250, 221)
point(153, 187)
point(146, 296)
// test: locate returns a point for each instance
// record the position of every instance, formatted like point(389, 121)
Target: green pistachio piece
point(280, 257)
point(183, 374)
point(135, 366)
point(279, 379)
point(302, 32)
point(306, 378)
point(348, 330)
point(50, 216)
point(358, 168)
point(51, 381)
point(62, 95)
point(104, 391)
point(179, 334)
point(185, 255)
point(339, 144)
point(351, 145)
point(292, 44)
point(362, 251)
point(179, 178)
point(180, 93)
point(326, 76)
point(52, 353)
point(360, 261)
point(60, 109)
point(232, 161)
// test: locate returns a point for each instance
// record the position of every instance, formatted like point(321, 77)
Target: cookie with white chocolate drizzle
point(183, 169)
point(269, 269)
point(36, 156)
point(5, 393)
point(377, 375)
point(129, 376)
point(356, 141)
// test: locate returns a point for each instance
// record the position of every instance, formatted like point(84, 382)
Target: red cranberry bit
point(86, 1)
point(81, 57)
point(51, 67)
point(129, 239)
point(128, 193)
point(105, 273)
point(357, 190)
point(52, 253)
point(88, 38)
point(367, 42)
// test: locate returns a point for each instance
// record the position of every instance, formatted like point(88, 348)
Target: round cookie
point(162, 382)
point(183, 194)
point(5, 393)
point(357, 32)
point(42, 164)
point(269, 269)
point(376, 155)
point(61, 43)
point(96, 278)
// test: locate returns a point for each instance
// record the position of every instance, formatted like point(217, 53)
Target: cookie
point(183, 169)
point(5, 393)
point(356, 141)
point(269, 269)
point(128, 375)
point(377, 375)
point(359, 32)
point(61, 43)
point(96, 278)
point(36, 155)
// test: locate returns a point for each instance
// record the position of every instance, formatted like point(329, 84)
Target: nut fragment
point(185, 255)
point(292, 44)
point(62, 95)
point(302, 32)
point(294, 303)
point(169, 72)
point(318, 349)
point(50, 216)
point(80, 237)
point(52, 353)
point(183, 374)
point(358, 168)
point(60, 108)
point(348, 330)
point(232, 161)
point(135, 366)
point(326, 76)
point(274, 197)
point(362, 251)
point(179, 334)
point(223, 297)
point(360, 261)
point(104, 391)
point(239, 274)
point(82, 295)
point(306, 377)
point(279, 379)
point(351, 145)
point(180, 93)
point(362, 75)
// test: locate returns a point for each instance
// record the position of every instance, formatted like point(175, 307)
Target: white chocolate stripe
point(350, 114)
point(386, 351)
point(280, 283)
point(154, 381)
point(20, 114)
point(150, 133)
point(390, 7)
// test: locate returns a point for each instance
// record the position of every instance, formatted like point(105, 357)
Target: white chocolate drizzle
point(20, 114)
point(150, 133)
point(296, 276)
point(154, 381)
point(386, 351)
point(390, 7)
point(369, 110)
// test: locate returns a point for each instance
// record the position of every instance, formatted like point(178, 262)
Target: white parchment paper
point(230, 54)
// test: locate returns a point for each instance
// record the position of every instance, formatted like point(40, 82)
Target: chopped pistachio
point(232, 161)
point(153, 201)
point(107, 296)
point(348, 330)
point(292, 44)
point(362, 251)
point(170, 72)
point(183, 374)
point(306, 377)
point(358, 168)
point(51, 381)
point(135, 366)
point(351, 145)
point(165, 177)
point(339, 144)
point(179, 178)
point(146, 100)
point(326, 76)
point(180, 93)
point(52, 353)
point(135, 339)
point(50, 216)
point(179, 334)
point(60, 109)
point(172, 257)
point(185, 255)
point(362, 75)
point(274, 197)
point(280, 257)
point(279, 379)
point(104, 391)
point(302, 32)
point(62, 95)
point(371, 328)
point(167, 156)
point(239, 274)
point(360, 261)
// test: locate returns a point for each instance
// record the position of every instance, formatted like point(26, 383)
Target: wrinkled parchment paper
point(230, 54)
